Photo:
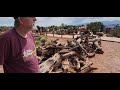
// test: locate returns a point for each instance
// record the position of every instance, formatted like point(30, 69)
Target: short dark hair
point(15, 17)
point(16, 22)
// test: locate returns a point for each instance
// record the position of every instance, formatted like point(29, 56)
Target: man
point(17, 48)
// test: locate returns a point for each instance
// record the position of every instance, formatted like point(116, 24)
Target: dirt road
point(109, 62)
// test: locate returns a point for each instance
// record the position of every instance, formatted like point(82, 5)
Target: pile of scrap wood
point(73, 57)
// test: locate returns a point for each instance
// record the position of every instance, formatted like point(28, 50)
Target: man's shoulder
point(30, 33)
point(8, 34)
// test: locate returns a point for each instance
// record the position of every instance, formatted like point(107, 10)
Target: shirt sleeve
point(3, 50)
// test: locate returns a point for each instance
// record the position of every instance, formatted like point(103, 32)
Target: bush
point(115, 33)
point(43, 39)
point(109, 35)
point(40, 40)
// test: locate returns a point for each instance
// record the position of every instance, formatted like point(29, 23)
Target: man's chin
point(30, 29)
point(34, 28)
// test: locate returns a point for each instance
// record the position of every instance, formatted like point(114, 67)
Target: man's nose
point(34, 18)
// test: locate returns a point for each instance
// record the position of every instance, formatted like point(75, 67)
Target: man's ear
point(20, 20)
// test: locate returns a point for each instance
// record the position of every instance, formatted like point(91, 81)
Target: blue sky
point(47, 21)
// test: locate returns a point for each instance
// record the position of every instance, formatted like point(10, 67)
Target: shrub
point(43, 39)
point(40, 40)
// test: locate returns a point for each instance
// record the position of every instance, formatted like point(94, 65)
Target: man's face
point(28, 22)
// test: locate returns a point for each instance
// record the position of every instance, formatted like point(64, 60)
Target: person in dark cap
point(17, 48)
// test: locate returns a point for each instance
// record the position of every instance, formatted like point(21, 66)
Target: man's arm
point(4, 51)
point(1, 69)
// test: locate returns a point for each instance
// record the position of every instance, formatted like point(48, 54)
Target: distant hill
point(108, 23)
point(111, 22)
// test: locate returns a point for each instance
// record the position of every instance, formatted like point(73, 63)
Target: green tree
point(116, 31)
point(96, 27)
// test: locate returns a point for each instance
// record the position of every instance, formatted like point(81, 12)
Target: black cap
point(15, 17)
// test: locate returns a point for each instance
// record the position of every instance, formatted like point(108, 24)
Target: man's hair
point(16, 23)
point(15, 17)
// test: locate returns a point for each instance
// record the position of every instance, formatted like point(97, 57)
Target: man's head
point(25, 22)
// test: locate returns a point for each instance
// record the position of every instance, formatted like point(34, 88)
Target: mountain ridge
point(108, 23)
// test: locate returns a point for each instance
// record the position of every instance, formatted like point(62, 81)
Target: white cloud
point(6, 21)
point(93, 19)
point(53, 20)
point(47, 21)
point(71, 20)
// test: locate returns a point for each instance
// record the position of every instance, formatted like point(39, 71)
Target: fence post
point(53, 32)
point(46, 32)
point(61, 33)
point(73, 34)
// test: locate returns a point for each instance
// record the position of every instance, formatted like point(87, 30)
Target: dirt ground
point(109, 62)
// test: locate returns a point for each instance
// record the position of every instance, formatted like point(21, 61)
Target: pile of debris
point(73, 57)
